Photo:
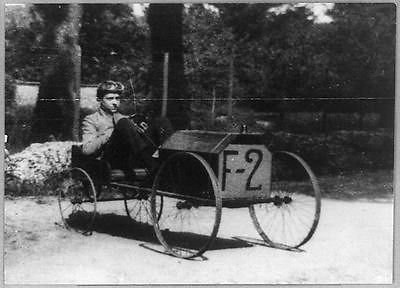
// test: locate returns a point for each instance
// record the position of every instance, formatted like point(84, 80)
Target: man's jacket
point(96, 131)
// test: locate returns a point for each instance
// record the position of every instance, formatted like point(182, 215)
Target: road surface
point(353, 244)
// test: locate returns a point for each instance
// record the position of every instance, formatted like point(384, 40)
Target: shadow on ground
point(123, 226)
point(253, 241)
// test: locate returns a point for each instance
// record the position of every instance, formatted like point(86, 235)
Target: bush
point(35, 169)
point(332, 153)
point(341, 151)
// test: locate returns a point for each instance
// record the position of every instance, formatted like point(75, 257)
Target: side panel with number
point(244, 171)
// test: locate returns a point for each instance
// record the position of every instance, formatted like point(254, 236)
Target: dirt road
point(353, 244)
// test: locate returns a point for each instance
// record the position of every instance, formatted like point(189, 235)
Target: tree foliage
point(276, 55)
point(20, 41)
point(208, 45)
point(114, 45)
point(362, 45)
point(288, 55)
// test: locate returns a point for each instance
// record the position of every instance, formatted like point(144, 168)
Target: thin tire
point(191, 212)
point(291, 216)
point(77, 201)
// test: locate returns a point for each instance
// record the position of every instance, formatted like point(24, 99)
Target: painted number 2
point(249, 157)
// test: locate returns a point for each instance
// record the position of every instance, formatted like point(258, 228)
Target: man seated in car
point(114, 137)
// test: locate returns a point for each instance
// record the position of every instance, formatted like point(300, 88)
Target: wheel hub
point(76, 200)
point(142, 196)
point(279, 201)
point(184, 205)
point(287, 199)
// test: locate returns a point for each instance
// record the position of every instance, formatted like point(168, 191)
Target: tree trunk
point(56, 114)
point(360, 124)
point(324, 122)
point(230, 93)
point(214, 99)
point(165, 21)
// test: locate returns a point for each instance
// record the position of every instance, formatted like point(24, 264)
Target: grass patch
point(360, 185)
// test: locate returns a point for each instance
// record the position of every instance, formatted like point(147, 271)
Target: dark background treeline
point(275, 56)
point(278, 64)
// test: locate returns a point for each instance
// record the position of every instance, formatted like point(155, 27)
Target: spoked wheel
point(290, 217)
point(186, 189)
point(138, 207)
point(77, 201)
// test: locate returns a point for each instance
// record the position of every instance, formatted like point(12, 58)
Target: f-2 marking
point(249, 159)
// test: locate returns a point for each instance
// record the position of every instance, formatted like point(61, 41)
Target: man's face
point(111, 102)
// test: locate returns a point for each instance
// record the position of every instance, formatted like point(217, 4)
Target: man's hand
point(139, 120)
point(142, 127)
point(118, 116)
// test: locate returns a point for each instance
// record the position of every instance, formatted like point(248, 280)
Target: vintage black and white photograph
point(199, 143)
